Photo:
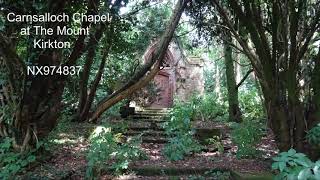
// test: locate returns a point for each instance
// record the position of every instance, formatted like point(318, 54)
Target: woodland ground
point(67, 159)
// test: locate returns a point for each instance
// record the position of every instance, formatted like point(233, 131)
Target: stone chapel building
point(179, 78)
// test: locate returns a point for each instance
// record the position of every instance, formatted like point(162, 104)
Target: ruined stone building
point(179, 78)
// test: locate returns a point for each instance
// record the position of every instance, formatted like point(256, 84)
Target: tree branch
point(244, 78)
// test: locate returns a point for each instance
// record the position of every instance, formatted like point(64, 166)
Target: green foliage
point(251, 104)
point(179, 127)
point(113, 112)
point(313, 136)
point(212, 174)
point(293, 165)
point(109, 151)
point(246, 136)
point(180, 132)
point(206, 107)
point(12, 162)
point(180, 146)
point(221, 175)
point(179, 119)
point(216, 141)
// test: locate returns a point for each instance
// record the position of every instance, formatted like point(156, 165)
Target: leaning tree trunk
point(233, 101)
point(149, 70)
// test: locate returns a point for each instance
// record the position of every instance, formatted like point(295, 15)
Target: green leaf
point(291, 152)
point(275, 165)
point(276, 159)
point(282, 165)
point(9, 159)
point(316, 169)
point(31, 158)
point(304, 174)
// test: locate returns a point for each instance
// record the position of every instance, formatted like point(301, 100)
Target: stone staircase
point(149, 123)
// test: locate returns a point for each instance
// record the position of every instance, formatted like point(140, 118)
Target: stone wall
point(178, 80)
point(188, 74)
point(190, 79)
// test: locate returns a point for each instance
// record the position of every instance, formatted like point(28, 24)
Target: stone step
point(163, 111)
point(145, 129)
point(141, 116)
point(155, 140)
point(152, 113)
point(154, 109)
point(145, 124)
point(185, 173)
point(145, 119)
point(152, 133)
point(169, 171)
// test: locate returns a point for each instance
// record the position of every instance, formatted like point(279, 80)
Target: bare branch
point(244, 78)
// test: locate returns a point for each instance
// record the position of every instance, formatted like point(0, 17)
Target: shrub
point(251, 105)
point(207, 106)
point(221, 175)
point(12, 162)
point(181, 145)
point(246, 136)
point(216, 141)
point(293, 165)
point(313, 136)
point(107, 147)
point(180, 133)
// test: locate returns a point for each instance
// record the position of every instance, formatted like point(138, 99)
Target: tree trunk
point(139, 80)
point(276, 57)
point(38, 98)
point(83, 97)
point(85, 111)
point(316, 84)
point(234, 110)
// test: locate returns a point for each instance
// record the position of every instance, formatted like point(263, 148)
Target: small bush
point(251, 105)
point(216, 141)
point(109, 151)
point(207, 107)
point(180, 133)
point(313, 136)
point(12, 162)
point(293, 165)
point(180, 146)
point(246, 136)
point(221, 175)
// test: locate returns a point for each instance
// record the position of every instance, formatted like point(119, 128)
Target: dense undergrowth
point(12, 162)
point(111, 151)
point(246, 135)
